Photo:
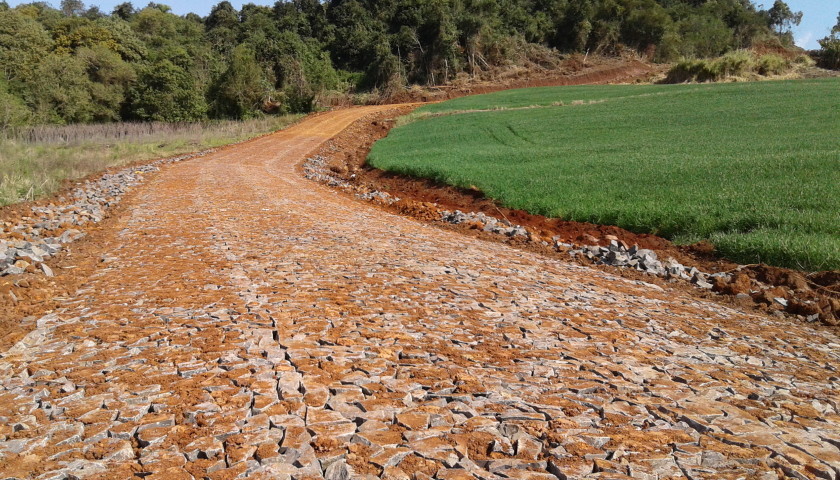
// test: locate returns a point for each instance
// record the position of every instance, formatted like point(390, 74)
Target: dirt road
point(245, 322)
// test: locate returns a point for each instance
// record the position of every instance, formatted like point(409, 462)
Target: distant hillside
point(78, 64)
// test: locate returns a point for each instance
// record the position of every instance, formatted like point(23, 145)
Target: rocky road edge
point(29, 239)
point(37, 266)
point(27, 243)
point(340, 163)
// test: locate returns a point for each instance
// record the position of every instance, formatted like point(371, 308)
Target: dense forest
point(76, 64)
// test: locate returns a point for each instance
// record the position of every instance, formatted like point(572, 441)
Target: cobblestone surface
point(249, 323)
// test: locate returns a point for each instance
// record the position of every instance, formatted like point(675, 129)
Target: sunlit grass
point(754, 167)
point(34, 162)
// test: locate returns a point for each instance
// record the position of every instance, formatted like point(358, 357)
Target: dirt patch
point(573, 71)
point(26, 297)
point(768, 289)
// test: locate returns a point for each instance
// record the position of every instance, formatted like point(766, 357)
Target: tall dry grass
point(738, 65)
point(35, 160)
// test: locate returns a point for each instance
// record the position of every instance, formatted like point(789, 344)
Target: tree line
point(77, 64)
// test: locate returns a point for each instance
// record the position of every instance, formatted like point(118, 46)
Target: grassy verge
point(738, 64)
point(34, 162)
point(753, 167)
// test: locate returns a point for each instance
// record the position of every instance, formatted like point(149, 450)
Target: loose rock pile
point(317, 168)
point(490, 224)
point(26, 245)
point(618, 254)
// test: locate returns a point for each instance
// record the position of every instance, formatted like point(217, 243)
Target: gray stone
point(47, 270)
point(339, 470)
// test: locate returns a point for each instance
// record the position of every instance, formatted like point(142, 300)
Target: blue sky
point(819, 15)
point(818, 18)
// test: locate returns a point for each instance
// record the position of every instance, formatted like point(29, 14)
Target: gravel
point(491, 224)
point(617, 254)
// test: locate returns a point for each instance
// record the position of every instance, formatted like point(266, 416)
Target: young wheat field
point(753, 167)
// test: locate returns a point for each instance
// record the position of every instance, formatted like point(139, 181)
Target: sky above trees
point(818, 15)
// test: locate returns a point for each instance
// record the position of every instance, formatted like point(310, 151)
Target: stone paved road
point(245, 322)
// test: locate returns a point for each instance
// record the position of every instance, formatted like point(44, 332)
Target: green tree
point(645, 25)
point(303, 70)
point(13, 110)
point(110, 79)
point(72, 8)
point(124, 11)
point(703, 36)
point(830, 48)
point(243, 88)
point(61, 91)
point(166, 92)
point(73, 33)
point(222, 27)
point(783, 18)
point(126, 41)
point(355, 33)
point(23, 43)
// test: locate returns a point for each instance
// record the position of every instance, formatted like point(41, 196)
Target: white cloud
point(805, 39)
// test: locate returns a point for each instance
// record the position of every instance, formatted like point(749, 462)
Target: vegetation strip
point(78, 64)
point(35, 161)
point(733, 163)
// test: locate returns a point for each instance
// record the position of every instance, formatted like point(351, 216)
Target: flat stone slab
point(337, 341)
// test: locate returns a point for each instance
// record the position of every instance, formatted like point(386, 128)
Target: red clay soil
point(573, 71)
point(25, 297)
point(752, 285)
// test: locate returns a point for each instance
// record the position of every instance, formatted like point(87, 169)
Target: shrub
point(738, 63)
point(830, 53)
point(772, 64)
point(689, 70)
point(735, 63)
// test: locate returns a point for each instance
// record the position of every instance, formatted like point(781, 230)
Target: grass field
point(34, 162)
point(753, 167)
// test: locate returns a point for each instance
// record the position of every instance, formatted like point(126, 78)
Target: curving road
point(247, 323)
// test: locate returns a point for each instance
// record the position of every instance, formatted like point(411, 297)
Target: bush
point(738, 63)
point(734, 63)
point(772, 64)
point(830, 53)
point(689, 70)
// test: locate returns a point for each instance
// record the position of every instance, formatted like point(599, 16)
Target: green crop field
point(753, 167)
